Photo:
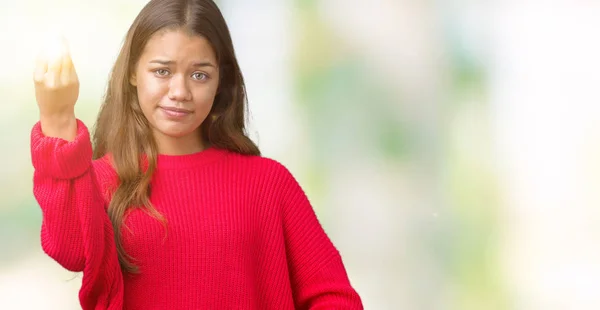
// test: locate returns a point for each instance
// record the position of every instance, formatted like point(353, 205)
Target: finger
point(53, 73)
point(66, 70)
point(74, 73)
point(54, 68)
point(41, 67)
point(56, 50)
point(54, 64)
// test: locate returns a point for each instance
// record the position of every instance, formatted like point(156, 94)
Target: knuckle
point(51, 85)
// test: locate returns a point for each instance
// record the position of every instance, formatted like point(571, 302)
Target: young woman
point(174, 208)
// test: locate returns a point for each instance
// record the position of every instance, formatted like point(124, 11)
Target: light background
point(450, 148)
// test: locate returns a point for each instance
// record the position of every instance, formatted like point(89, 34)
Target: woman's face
point(177, 78)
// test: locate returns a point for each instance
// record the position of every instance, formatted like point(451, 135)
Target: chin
point(177, 131)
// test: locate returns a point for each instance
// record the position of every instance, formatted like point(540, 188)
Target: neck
point(189, 144)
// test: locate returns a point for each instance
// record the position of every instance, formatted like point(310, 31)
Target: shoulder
point(272, 175)
point(261, 166)
point(103, 166)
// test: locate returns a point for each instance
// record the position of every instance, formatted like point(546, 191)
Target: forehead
point(178, 45)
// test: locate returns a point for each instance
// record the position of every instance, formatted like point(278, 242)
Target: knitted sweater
point(240, 234)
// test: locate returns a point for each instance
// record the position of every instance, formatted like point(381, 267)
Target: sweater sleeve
point(319, 278)
point(76, 230)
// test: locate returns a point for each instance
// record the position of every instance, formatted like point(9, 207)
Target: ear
point(133, 79)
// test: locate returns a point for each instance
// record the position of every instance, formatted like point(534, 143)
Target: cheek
point(204, 98)
point(207, 98)
point(149, 94)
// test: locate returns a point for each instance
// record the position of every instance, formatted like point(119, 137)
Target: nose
point(178, 89)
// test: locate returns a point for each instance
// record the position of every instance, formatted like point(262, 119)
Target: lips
point(176, 110)
point(173, 112)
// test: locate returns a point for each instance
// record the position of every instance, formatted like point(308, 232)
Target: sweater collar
point(193, 160)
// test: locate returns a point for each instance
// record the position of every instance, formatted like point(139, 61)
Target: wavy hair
point(121, 128)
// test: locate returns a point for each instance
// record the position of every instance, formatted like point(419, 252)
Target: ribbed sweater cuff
point(59, 158)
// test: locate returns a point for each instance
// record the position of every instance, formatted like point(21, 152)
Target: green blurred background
point(450, 148)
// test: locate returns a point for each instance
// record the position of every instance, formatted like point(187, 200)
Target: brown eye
point(161, 72)
point(199, 76)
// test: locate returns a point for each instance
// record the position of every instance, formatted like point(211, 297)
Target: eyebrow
point(170, 62)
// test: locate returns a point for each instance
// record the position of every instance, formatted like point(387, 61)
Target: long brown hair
point(121, 129)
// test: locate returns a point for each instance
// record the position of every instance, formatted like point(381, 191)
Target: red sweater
point(241, 233)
